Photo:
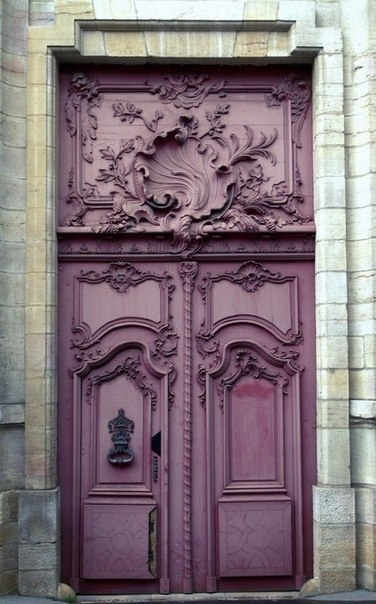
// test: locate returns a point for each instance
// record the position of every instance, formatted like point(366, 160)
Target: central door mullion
point(188, 271)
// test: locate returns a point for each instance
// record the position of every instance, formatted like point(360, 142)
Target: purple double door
point(186, 388)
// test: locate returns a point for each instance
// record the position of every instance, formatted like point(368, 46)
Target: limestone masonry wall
point(339, 38)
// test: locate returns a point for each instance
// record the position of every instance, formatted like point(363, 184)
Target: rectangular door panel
point(254, 538)
point(118, 541)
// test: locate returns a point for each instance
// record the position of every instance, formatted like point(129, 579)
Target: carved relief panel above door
point(185, 154)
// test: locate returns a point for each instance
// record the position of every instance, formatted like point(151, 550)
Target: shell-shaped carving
point(186, 178)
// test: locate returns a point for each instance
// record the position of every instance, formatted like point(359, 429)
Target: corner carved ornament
point(187, 180)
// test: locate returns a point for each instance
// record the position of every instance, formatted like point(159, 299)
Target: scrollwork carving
point(130, 368)
point(245, 363)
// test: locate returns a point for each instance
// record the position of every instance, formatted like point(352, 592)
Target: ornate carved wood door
point(186, 390)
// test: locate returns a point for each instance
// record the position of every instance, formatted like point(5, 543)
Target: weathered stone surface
point(38, 516)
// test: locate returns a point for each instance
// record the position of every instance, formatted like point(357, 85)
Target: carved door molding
point(186, 391)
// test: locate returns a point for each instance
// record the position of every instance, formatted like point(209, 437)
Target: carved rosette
point(192, 179)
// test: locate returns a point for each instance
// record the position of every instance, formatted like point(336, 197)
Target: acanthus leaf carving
point(185, 90)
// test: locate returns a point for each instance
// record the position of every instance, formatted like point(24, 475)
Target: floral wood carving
point(83, 96)
point(187, 180)
point(130, 368)
point(185, 90)
point(247, 364)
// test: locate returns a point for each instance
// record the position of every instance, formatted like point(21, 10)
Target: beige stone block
point(333, 467)
point(327, 98)
point(362, 454)
point(35, 389)
point(361, 255)
point(362, 321)
point(366, 544)
point(362, 286)
point(337, 580)
point(370, 350)
point(82, 8)
point(331, 287)
point(331, 223)
point(332, 160)
point(261, 11)
point(278, 44)
point(363, 383)
point(335, 546)
point(114, 9)
point(184, 10)
point(356, 353)
point(36, 291)
point(333, 414)
point(292, 10)
point(36, 70)
point(35, 353)
point(365, 498)
point(189, 44)
point(35, 318)
point(125, 44)
point(36, 254)
point(333, 352)
point(330, 254)
point(332, 318)
point(329, 193)
point(332, 383)
point(93, 43)
point(251, 44)
point(333, 506)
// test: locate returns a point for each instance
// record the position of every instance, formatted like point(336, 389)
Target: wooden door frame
point(294, 41)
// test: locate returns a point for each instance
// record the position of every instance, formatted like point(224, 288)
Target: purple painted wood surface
point(186, 388)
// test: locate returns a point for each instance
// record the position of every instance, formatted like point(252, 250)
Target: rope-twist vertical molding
point(188, 271)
